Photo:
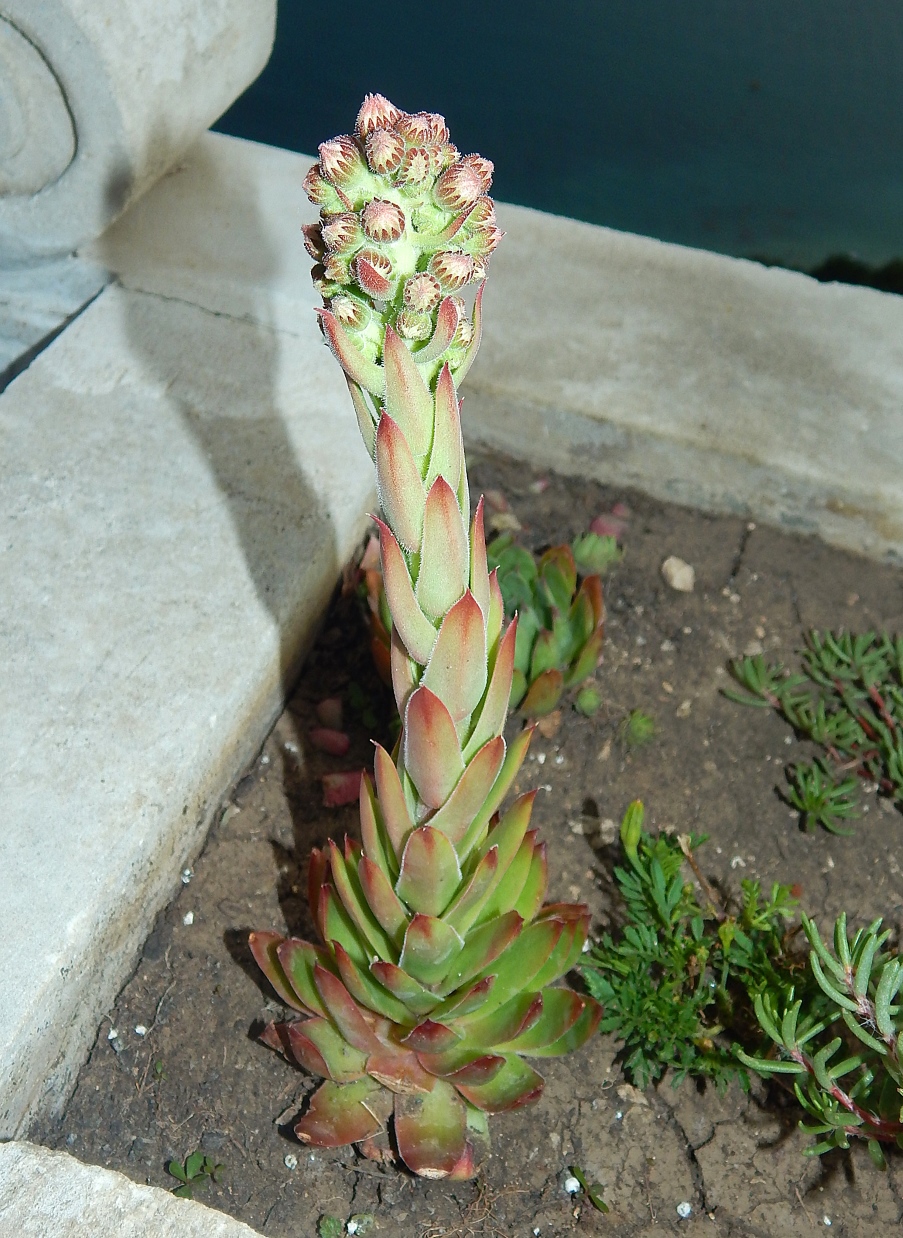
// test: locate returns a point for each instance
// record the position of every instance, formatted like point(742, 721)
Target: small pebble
point(571, 1185)
point(684, 1210)
point(540, 758)
point(666, 646)
point(679, 574)
point(290, 1161)
point(264, 760)
point(140, 1029)
point(113, 1034)
point(188, 917)
point(187, 874)
point(826, 1220)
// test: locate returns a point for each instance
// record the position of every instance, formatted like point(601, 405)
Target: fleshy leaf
point(516, 1084)
point(474, 786)
point(494, 709)
point(544, 694)
point(400, 1071)
point(432, 754)
point(509, 886)
point(504, 1023)
point(408, 990)
point(431, 1037)
point(530, 898)
point(447, 452)
point(408, 400)
point(515, 970)
point(366, 374)
point(382, 900)
point(416, 631)
point(366, 419)
point(466, 1000)
point(339, 1115)
point(404, 671)
point(344, 1011)
point(447, 320)
point(482, 948)
point(430, 873)
point(264, 947)
point(467, 906)
point(376, 844)
point(430, 1130)
point(430, 948)
point(463, 1065)
point(560, 1011)
point(298, 960)
point(398, 484)
point(577, 1035)
point(456, 671)
point(321, 1049)
point(479, 570)
point(392, 803)
point(346, 883)
point(444, 558)
point(366, 990)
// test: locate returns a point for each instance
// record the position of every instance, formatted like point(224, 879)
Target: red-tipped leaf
point(398, 484)
point(338, 1115)
point(444, 558)
point(456, 671)
point(432, 753)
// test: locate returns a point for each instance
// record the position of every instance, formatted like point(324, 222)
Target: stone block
point(100, 98)
point(46, 1194)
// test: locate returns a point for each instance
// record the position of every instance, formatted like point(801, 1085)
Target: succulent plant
point(560, 622)
point(430, 987)
point(560, 613)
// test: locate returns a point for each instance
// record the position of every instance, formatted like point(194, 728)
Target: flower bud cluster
point(405, 223)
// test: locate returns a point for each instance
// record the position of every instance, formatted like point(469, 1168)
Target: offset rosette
point(430, 986)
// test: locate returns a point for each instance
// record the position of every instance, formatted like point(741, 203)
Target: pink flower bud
point(483, 241)
point(422, 128)
point(453, 268)
point(416, 167)
point(422, 293)
point(374, 273)
point(319, 190)
point(482, 212)
point(341, 160)
point(313, 240)
point(383, 221)
point(414, 326)
point(385, 151)
point(351, 312)
point(343, 233)
point(337, 268)
point(376, 113)
point(464, 333)
point(458, 186)
point(446, 154)
point(484, 168)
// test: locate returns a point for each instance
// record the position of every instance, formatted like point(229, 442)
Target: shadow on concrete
point(223, 373)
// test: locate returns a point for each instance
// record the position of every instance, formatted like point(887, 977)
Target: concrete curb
point(46, 1194)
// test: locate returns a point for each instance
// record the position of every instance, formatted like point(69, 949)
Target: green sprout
point(196, 1171)
point(636, 729)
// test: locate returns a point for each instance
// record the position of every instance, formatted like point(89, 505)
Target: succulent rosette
point(431, 984)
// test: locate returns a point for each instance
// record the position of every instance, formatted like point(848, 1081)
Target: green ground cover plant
point(848, 699)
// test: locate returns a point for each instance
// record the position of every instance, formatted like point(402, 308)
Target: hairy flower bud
point(416, 167)
point(343, 233)
point(341, 161)
point(313, 240)
point(337, 268)
point(385, 151)
point(351, 312)
point(458, 186)
point(321, 192)
point(374, 273)
point(383, 221)
point(480, 268)
point(422, 292)
point(484, 168)
point(483, 241)
point(376, 113)
point(452, 267)
point(414, 326)
point(422, 128)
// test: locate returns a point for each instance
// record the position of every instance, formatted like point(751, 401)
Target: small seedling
point(196, 1171)
point(330, 1227)
point(636, 729)
point(848, 700)
point(593, 1192)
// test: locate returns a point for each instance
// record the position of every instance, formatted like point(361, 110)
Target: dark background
point(753, 127)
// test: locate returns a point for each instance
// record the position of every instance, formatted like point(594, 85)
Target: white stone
point(179, 489)
point(679, 574)
point(101, 97)
point(706, 380)
point(46, 1194)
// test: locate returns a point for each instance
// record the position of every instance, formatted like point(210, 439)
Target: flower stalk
point(431, 984)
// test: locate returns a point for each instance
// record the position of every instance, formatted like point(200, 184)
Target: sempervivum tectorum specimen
point(431, 985)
